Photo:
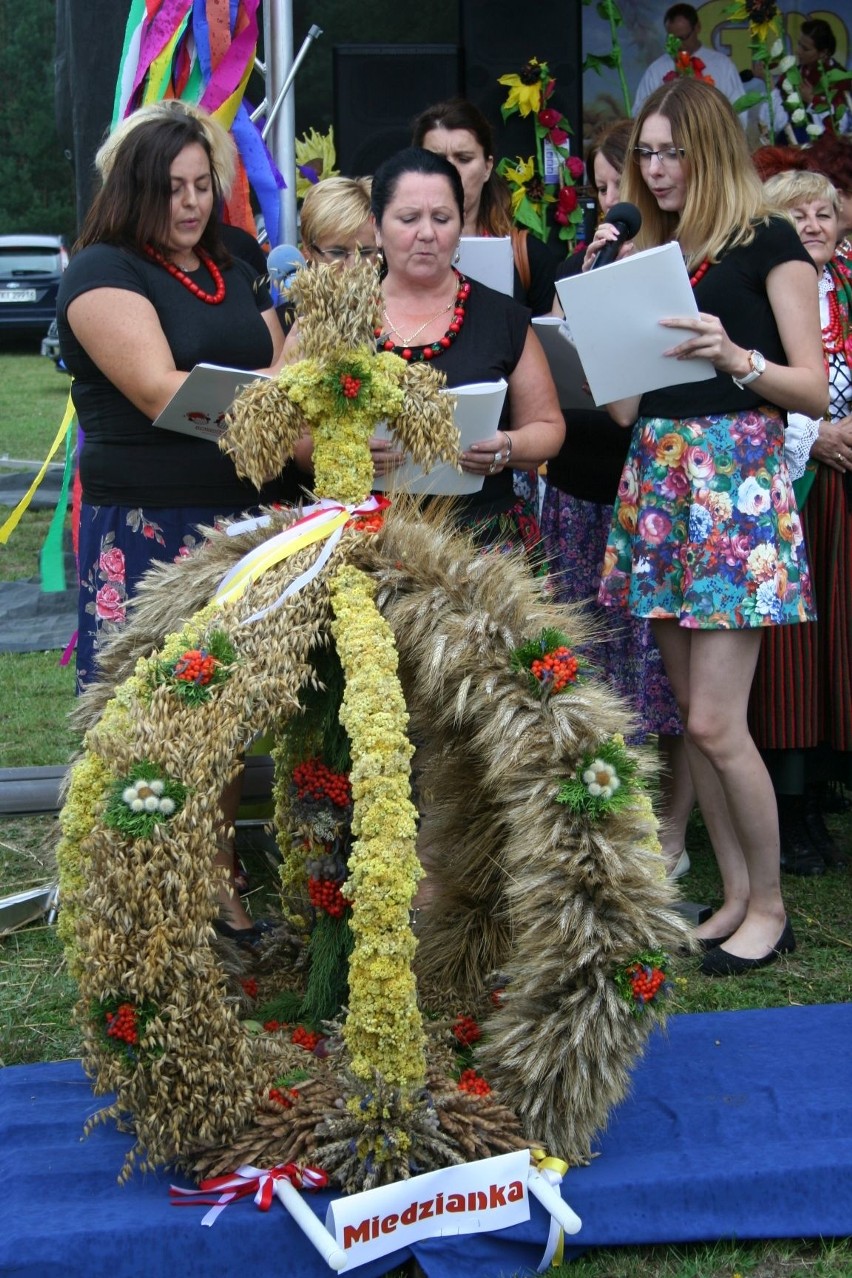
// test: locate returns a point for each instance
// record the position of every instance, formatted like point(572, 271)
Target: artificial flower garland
point(548, 177)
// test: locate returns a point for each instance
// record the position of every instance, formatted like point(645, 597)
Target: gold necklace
point(409, 341)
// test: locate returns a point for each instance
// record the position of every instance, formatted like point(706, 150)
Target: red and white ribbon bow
point(244, 1182)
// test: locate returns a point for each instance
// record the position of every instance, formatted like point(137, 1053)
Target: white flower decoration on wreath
point(601, 779)
point(147, 796)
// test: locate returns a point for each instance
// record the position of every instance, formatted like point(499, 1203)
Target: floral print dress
point(705, 528)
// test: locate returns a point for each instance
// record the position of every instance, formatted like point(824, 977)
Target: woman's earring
point(381, 266)
point(457, 254)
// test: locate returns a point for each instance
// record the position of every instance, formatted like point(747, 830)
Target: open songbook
point(477, 415)
point(199, 406)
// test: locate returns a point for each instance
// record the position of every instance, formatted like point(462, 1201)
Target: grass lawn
point(37, 995)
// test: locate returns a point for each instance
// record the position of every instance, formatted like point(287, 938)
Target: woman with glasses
point(706, 539)
point(335, 223)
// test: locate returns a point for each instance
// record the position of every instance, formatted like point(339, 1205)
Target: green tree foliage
point(36, 180)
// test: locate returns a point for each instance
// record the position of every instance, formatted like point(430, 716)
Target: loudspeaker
point(497, 41)
point(378, 90)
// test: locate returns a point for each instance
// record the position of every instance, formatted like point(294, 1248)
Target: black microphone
point(627, 219)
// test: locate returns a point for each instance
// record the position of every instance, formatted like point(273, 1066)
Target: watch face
point(758, 363)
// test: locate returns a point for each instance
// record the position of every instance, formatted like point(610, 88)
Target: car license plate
point(17, 295)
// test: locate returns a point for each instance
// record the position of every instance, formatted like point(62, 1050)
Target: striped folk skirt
point(802, 692)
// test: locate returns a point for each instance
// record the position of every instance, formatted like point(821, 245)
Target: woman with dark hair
point(706, 540)
point(458, 130)
point(149, 293)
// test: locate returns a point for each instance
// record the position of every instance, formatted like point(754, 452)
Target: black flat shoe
point(711, 942)
point(248, 937)
point(719, 962)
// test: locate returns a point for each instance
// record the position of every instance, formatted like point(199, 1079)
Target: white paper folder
point(199, 405)
point(613, 314)
point(477, 415)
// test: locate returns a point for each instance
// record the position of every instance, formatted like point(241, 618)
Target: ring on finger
point(840, 457)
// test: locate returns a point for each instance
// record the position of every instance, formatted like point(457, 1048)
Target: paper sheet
point(477, 413)
point(563, 359)
point(488, 259)
point(613, 314)
point(199, 406)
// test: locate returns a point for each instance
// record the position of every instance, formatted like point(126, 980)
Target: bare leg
point(677, 796)
point(711, 672)
point(230, 906)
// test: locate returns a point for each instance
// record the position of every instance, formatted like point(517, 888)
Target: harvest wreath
point(349, 630)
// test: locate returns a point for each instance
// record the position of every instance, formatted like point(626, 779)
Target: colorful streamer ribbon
point(246, 1181)
point(64, 432)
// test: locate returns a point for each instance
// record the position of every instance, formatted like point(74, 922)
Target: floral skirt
point(118, 544)
point(625, 656)
point(705, 528)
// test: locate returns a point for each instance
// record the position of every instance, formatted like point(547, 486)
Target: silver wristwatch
point(758, 366)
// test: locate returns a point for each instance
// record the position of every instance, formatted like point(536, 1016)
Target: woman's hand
point(833, 444)
point(487, 456)
point(606, 233)
point(386, 458)
point(710, 342)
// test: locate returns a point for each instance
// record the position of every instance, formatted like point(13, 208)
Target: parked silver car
point(30, 270)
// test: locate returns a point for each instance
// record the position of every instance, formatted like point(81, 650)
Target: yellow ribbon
point(16, 515)
point(270, 553)
point(545, 1163)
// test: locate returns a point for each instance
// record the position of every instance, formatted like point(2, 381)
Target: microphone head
point(283, 261)
point(628, 216)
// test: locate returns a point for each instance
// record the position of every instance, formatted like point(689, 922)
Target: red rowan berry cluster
point(326, 895)
point(121, 1024)
point(367, 523)
point(474, 1083)
point(497, 997)
point(272, 1027)
point(284, 1098)
point(313, 780)
point(350, 385)
point(559, 666)
point(305, 1038)
point(645, 981)
point(195, 666)
point(467, 1031)
point(249, 985)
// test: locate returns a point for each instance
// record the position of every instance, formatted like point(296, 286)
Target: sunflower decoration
point(316, 158)
point(548, 177)
point(766, 42)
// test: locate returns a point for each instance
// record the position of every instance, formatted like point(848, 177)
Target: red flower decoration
point(575, 166)
point(549, 118)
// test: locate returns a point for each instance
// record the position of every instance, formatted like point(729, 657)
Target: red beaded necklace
point(700, 272)
point(832, 334)
point(431, 351)
point(212, 299)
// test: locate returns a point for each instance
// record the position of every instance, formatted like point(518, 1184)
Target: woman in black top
point(149, 293)
point(706, 539)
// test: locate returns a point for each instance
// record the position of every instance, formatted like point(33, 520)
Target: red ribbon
point(246, 1181)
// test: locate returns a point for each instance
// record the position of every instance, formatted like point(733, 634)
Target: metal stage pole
point(278, 106)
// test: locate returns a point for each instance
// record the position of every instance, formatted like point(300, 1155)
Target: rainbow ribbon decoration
point(202, 51)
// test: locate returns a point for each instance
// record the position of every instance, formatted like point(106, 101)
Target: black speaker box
point(378, 90)
point(498, 39)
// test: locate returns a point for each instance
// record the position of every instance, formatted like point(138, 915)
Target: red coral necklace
point(700, 272)
point(431, 351)
point(832, 334)
point(212, 299)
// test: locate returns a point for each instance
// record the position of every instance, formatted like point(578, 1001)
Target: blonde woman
point(706, 539)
